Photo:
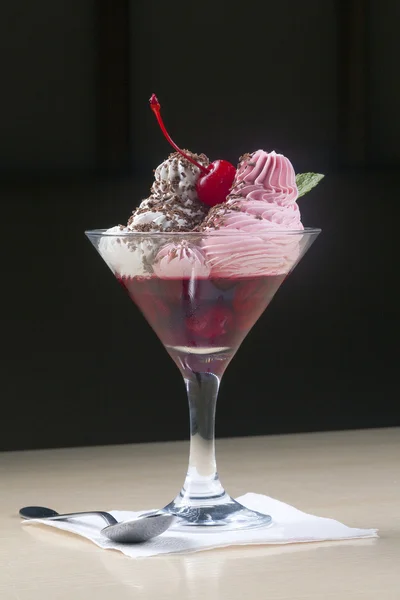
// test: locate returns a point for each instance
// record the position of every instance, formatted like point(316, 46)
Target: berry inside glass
point(201, 317)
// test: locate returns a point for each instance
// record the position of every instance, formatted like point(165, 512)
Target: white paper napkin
point(289, 526)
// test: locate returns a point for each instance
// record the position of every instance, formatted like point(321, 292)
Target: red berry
point(212, 323)
point(216, 180)
point(172, 290)
point(248, 295)
point(155, 309)
point(213, 187)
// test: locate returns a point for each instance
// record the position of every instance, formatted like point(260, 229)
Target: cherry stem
point(155, 107)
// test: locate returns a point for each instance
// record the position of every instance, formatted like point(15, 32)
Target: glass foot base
point(215, 515)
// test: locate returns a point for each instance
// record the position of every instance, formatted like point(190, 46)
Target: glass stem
point(202, 481)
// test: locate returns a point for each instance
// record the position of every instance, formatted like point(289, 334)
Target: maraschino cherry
point(216, 180)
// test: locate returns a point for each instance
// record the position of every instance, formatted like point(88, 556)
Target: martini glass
point(202, 293)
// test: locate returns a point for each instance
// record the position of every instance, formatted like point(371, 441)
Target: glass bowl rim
point(216, 232)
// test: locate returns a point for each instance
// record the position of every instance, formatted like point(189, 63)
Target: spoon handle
point(109, 519)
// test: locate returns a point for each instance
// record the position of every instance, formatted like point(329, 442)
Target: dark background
point(315, 80)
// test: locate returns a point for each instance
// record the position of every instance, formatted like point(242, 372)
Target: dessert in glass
point(202, 257)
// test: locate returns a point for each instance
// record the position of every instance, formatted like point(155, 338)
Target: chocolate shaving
point(243, 158)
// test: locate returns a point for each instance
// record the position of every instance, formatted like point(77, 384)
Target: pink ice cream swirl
point(262, 201)
point(180, 259)
point(268, 179)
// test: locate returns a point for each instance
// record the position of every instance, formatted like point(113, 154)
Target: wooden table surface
point(350, 476)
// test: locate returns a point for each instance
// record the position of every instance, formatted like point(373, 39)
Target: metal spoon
point(143, 528)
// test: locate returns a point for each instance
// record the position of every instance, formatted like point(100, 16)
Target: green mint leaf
point(307, 181)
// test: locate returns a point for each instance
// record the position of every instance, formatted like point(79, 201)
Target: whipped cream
point(180, 260)
point(262, 200)
point(173, 204)
point(167, 214)
point(263, 196)
point(265, 177)
point(126, 257)
point(235, 255)
point(176, 176)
